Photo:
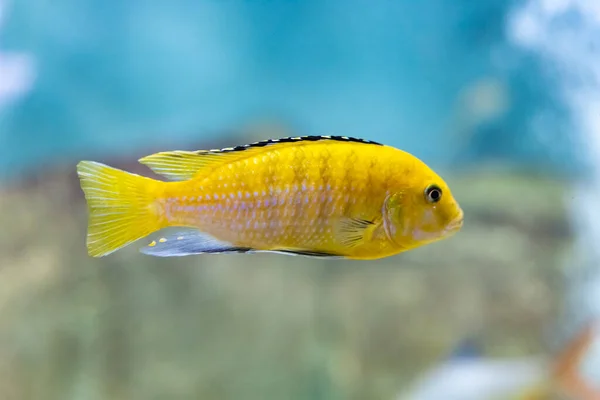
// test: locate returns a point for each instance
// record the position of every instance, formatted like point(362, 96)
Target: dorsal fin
point(183, 165)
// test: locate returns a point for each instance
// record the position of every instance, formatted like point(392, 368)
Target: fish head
point(421, 213)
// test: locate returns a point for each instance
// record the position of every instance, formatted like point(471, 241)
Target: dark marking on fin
point(308, 253)
point(352, 231)
point(182, 165)
point(355, 223)
point(268, 142)
point(189, 242)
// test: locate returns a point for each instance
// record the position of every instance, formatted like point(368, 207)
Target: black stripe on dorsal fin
point(290, 139)
point(183, 165)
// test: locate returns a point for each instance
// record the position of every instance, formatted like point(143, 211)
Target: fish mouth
point(456, 223)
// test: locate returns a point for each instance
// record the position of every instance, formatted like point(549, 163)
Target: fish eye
point(433, 194)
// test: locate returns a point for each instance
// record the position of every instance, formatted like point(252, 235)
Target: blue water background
point(117, 77)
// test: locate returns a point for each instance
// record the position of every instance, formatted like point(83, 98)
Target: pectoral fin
point(353, 232)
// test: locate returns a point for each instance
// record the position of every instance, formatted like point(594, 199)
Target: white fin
point(194, 242)
point(189, 242)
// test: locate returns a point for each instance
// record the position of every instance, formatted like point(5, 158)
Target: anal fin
point(194, 242)
point(304, 253)
point(189, 242)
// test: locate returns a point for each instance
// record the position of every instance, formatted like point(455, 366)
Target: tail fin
point(121, 205)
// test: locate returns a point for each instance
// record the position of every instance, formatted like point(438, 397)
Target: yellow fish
point(321, 196)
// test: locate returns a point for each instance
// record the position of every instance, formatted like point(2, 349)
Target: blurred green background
point(269, 327)
point(479, 90)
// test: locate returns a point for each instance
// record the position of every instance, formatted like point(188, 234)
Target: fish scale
point(304, 199)
point(328, 196)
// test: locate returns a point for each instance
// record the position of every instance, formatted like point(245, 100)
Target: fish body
point(316, 196)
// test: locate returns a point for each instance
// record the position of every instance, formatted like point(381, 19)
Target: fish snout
point(456, 223)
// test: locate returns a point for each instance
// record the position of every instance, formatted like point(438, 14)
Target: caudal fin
point(122, 207)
